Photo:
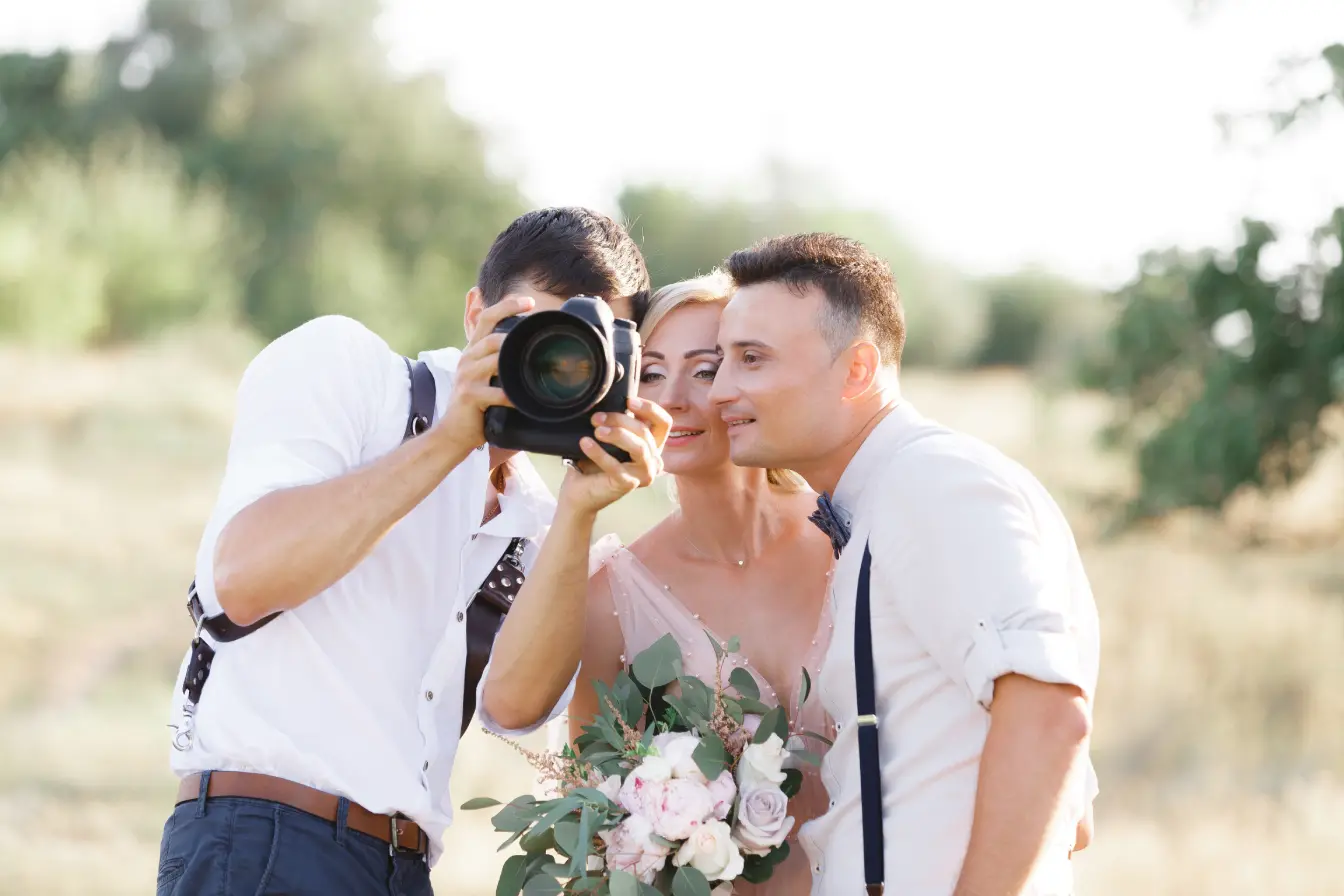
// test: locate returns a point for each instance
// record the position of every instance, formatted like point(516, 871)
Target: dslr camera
point(559, 368)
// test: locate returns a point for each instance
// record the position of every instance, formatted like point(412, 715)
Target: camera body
point(560, 367)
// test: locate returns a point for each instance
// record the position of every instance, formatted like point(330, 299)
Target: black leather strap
point(485, 615)
point(422, 398)
point(870, 766)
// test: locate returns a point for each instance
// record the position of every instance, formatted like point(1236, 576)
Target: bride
point(738, 557)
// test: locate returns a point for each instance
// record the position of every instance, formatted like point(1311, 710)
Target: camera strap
point(484, 615)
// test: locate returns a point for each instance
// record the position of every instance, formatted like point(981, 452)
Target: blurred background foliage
point(258, 162)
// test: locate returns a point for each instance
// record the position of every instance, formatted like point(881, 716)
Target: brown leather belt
point(401, 834)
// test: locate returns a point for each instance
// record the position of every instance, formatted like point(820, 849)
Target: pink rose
point(722, 792)
point(677, 807)
point(630, 847)
point(763, 819)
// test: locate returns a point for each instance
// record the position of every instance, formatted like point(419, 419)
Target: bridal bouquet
point(679, 786)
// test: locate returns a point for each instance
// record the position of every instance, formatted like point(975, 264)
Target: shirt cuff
point(1048, 656)
point(496, 728)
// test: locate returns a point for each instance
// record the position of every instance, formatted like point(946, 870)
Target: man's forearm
point(1037, 733)
point(540, 644)
point(292, 544)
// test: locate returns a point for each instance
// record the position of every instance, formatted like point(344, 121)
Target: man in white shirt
point(316, 757)
point(968, 772)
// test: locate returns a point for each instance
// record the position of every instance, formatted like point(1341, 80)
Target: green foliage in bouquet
point(653, 696)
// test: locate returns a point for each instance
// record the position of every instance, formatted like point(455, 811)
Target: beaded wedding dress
point(647, 609)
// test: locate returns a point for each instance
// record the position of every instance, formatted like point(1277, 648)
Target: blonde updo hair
point(714, 288)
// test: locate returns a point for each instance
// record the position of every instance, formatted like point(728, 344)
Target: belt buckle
point(394, 847)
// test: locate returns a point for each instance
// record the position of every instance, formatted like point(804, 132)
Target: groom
point(983, 629)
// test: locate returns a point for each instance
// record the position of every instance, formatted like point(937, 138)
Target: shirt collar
point(871, 457)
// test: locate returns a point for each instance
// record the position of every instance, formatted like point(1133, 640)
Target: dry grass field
point(1220, 721)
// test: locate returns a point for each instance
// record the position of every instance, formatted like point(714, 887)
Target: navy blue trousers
point(234, 846)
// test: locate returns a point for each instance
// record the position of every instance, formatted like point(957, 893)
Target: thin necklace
point(697, 547)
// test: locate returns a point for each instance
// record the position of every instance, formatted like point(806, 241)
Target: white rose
point(711, 851)
point(677, 748)
point(762, 819)
point(630, 847)
point(723, 791)
point(607, 785)
point(653, 770)
point(762, 764)
point(677, 807)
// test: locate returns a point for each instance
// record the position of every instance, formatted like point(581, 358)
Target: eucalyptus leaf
point(773, 722)
point(659, 663)
point(512, 876)
point(542, 884)
point(745, 683)
point(710, 756)
point(718, 648)
point(733, 709)
point(538, 839)
point(565, 807)
point(793, 782)
point(583, 842)
point(649, 734)
point(623, 883)
point(480, 802)
point(697, 697)
point(585, 884)
point(733, 645)
point(590, 795)
point(755, 707)
point(806, 686)
point(567, 836)
point(806, 756)
point(664, 842)
point(689, 882)
point(821, 737)
point(513, 839)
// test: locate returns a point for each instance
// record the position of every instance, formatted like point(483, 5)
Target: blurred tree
point(1037, 319)
point(337, 166)
point(684, 235)
point(1223, 372)
point(111, 245)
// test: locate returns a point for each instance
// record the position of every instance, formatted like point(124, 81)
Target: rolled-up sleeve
point(492, 725)
point(974, 576)
point(303, 407)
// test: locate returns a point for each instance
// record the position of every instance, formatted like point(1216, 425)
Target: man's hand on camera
point(592, 484)
point(464, 421)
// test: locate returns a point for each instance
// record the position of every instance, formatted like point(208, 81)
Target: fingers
point(614, 469)
point(652, 415)
point(507, 307)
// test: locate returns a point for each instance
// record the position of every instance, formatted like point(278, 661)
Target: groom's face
point(778, 388)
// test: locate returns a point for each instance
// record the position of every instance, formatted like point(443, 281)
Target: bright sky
point(996, 134)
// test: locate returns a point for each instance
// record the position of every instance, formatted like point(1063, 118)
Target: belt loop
point(200, 797)
point(342, 819)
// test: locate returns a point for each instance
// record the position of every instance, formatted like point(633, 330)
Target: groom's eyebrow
point(697, 352)
point(749, 343)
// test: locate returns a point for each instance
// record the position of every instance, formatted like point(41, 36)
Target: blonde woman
point(738, 557)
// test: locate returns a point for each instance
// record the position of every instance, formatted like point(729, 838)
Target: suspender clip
point(867, 721)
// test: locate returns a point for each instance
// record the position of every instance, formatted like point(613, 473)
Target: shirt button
point(425, 767)
point(429, 695)
point(459, 616)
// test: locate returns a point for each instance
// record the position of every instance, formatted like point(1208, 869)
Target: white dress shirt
point(975, 574)
point(358, 691)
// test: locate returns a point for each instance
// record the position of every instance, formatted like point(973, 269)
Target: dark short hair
point(566, 251)
point(860, 291)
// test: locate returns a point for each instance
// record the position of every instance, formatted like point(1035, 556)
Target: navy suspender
point(870, 767)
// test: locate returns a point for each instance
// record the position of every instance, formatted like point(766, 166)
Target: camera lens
point(559, 368)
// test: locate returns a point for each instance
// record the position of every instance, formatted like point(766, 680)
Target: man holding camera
point(360, 548)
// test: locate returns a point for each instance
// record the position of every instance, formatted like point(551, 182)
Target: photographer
point(356, 553)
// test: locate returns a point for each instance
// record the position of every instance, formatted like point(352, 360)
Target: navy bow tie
point(829, 521)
